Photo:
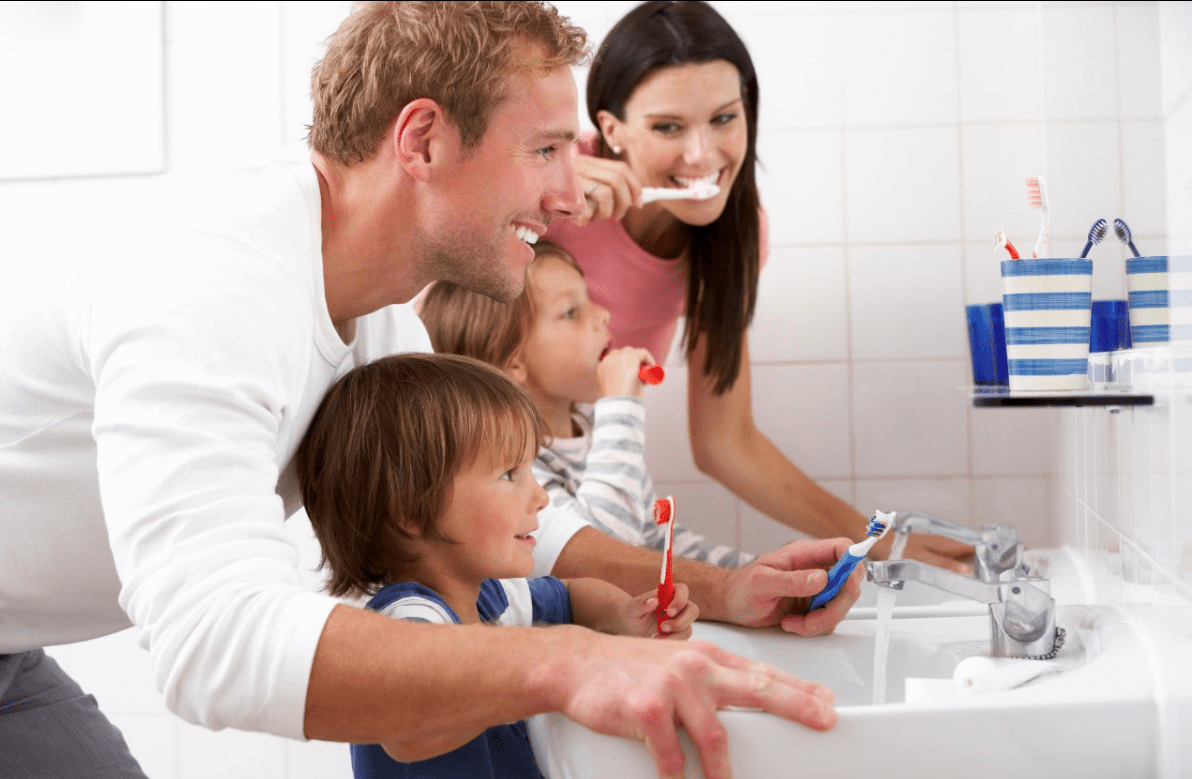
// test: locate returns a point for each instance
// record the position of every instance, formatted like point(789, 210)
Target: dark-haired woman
point(675, 97)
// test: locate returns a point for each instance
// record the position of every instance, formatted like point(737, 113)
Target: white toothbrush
point(700, 191)
point(1036, 197)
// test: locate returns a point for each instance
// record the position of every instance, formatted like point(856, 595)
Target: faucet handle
point(998, 553)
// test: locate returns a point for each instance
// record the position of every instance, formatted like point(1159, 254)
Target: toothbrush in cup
point(1097, 234)
point(1122, 231)
point(1036, 197)
point(702, 190)
point(664, 514)
point(1002, 242)
point(878, 526)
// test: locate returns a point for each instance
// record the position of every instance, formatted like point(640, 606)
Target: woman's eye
point(723, 118)
point(666, 128)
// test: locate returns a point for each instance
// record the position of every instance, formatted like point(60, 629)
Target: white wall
point(895, 139)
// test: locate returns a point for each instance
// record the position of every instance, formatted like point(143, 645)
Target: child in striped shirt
point(555, 342)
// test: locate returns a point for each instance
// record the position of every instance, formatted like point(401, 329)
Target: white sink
point(1096, 718)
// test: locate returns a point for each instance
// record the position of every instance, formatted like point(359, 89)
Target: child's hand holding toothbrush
point(619, 371)
point(639, 618)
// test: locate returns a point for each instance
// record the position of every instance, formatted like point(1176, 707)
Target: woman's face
point(684, 124)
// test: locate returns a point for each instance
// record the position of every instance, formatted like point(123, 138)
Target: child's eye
point(571, 313)
point(510, 474)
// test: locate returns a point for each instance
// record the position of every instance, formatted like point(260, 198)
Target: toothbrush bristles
point(1122, 231)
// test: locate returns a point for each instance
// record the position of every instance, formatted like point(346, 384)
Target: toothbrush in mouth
point(701, 190)
point(651, 374)
point(878, 526)
point(664, 514)
point(1097, 234)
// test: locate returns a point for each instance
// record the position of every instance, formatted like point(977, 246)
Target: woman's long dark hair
point(723, 257)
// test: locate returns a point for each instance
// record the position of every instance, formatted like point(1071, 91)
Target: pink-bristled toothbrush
point(1036, 197)
point(664, 514)
point(1002, 242)
point(651, 374)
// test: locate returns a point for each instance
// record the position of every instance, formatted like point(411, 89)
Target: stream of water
point(881, 649)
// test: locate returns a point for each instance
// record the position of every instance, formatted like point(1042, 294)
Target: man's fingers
point(768, 583)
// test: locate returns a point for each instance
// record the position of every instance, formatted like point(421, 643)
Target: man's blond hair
point(459, 54)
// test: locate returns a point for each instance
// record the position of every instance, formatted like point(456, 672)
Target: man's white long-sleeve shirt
point(155, 384)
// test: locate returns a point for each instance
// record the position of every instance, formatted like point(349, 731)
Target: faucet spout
point(996, 548)
point(1021, 610)
point(892, 573)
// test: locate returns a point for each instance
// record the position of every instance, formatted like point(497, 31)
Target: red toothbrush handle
point(666, 594)
point(651, 374)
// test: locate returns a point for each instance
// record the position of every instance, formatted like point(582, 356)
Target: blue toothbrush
point(1097, 234)
point(878, 526)
point(1123, 233)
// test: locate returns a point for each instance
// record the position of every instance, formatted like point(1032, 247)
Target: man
point(157, 384)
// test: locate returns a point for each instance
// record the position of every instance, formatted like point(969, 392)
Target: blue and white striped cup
point(1046, 303)
point(1160, 299)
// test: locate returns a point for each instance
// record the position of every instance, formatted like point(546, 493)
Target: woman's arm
point(727, 446)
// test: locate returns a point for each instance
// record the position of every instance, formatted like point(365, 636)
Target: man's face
point(503, 193)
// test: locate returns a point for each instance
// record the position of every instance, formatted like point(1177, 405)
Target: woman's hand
point(610, 188)
point(639, 620)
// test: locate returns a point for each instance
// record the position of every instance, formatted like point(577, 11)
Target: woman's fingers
point(610, 188)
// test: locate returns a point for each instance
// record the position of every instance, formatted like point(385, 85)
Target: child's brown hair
point(377, 465)
point(461, 321)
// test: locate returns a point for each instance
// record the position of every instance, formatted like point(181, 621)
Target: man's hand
point(644, 690)
point(775, 589)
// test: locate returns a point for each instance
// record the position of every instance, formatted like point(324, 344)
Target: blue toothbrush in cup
point(1097, 234)
point(878, 526)
point(1122, 231)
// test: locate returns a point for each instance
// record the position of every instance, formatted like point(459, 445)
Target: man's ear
point(421, 137)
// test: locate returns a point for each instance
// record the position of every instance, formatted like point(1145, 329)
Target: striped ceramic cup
point(1046, 303)
point(1160, 299)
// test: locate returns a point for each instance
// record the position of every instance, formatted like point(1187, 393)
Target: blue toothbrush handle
point(836, 579)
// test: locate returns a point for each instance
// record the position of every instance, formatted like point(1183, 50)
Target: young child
point(416, 475)
point(555, 342)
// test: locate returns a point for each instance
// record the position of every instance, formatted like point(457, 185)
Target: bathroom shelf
point(995, 397)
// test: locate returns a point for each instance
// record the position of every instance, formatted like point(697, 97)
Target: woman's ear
point(612, 129)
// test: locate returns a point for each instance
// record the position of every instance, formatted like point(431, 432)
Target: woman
point(675, 97)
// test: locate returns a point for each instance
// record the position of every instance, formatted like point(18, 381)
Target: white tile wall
point(895, 137)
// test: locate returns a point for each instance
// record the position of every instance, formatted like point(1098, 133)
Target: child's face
point(569, 335)
point(493, 509)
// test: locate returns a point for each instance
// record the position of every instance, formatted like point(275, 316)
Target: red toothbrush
point(664, 514)
point(651, 374)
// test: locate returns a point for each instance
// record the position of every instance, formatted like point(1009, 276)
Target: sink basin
point(1095, 718)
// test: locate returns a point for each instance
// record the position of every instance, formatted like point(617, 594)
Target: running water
point(899, 544)
point(881, 649)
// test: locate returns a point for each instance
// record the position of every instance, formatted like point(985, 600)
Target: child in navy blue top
point(416, 474)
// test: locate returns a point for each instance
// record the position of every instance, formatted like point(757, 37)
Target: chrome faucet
point(1021, 609)
point(997, 548)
